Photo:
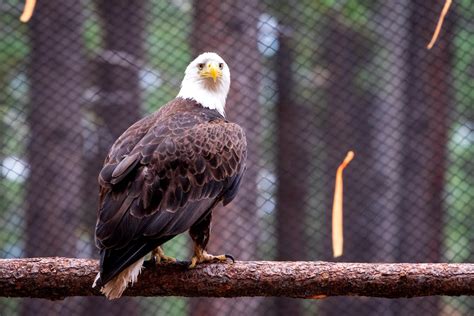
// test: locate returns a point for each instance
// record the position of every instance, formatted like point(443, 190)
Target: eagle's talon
point(230, 257)
point(150, 263)
point(194, 262)
point(203, 256)
point(159, 256)
point(166, 260)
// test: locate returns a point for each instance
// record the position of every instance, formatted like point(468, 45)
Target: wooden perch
point(57, 278)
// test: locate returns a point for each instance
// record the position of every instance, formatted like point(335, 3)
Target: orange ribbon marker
point(447, 4)
point(28, 11)
point(337, 234)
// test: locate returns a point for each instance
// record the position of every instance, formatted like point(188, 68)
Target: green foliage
point(460, 181)
point(459, 218)
point(14, 49)
point(167, 46)
point(464, 80)
point(93, 34)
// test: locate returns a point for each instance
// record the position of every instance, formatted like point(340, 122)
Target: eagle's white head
point(207, 81)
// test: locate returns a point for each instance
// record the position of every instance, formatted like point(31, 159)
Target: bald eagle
point(165, 174)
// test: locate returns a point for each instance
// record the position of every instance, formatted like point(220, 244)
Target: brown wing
point(172, 177)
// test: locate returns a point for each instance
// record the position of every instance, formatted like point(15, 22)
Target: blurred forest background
point(312, 79)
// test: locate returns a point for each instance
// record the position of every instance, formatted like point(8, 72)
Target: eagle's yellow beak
point(211, 71)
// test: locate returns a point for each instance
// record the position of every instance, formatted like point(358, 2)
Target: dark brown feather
point(161, 176)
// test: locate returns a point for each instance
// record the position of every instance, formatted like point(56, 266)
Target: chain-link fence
point(310, 81)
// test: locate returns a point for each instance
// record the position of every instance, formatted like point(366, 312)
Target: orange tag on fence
point(337, 232)
point(445, 10)
point(28, 11)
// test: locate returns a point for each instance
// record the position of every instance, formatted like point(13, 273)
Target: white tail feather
point(115, 287)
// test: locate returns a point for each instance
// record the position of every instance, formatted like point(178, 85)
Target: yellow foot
point(160, 256)
point(203, 256)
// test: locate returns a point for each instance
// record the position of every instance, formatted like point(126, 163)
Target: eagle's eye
point(221, 65)
point(201, 66)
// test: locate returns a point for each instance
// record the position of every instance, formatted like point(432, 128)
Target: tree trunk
point(386, 136)
point(231, 31)
point(293, 161)
point(54, 152)
point(348, 127)
point(117, 106)
point(425, 144)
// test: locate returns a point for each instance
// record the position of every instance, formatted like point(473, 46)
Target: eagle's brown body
point(162, 177)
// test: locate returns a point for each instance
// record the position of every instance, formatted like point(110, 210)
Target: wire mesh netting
point(310, 81)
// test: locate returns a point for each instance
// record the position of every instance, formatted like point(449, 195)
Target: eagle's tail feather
point(115, 287)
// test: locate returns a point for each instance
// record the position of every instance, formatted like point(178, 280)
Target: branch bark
point(57, 278)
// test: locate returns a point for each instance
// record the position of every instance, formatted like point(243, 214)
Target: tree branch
point(57, 278)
